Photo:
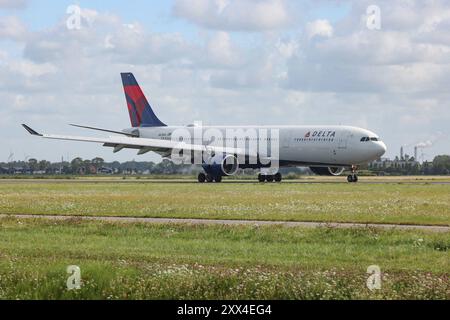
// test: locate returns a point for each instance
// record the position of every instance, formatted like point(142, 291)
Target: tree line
point(78, 166)
point(439, 166)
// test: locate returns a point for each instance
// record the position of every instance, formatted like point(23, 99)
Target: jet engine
point(328, 171)
point(221, 165)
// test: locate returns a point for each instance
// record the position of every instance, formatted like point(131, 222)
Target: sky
point(224, 62)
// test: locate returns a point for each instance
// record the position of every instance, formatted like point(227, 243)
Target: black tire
point(355, 178)
point(261, 178)
point(278, 177)
point(202, 178)
point(209, 178)
point(269, 178)
point(218, 179)
point(350, 179)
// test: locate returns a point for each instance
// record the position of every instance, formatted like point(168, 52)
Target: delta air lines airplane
point(326, 150)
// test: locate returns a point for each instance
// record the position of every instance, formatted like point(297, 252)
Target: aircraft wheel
point(218, 179)
point(355, 178)
point(209, 178)
point(278, 177)
point(202, 178)
point(350, 179)
point(261, 178)
point(269, 178)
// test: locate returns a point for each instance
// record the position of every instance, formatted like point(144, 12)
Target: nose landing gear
point(353, 178)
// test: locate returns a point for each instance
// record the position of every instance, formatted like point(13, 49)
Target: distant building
point(20, 170)
point(4, 170)
point(105, 170)
point(405, 162)
point(385, 163)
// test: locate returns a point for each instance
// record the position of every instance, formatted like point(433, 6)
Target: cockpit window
point(367, 139)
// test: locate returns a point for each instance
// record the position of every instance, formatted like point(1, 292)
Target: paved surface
point(233, 222)
point(419, 180)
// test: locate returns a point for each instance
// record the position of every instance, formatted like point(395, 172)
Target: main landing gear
point(270, 178)
point(353, 178)
point(202, 178)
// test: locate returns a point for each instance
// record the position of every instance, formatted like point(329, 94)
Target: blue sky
point(226, 62)
point(155, 15)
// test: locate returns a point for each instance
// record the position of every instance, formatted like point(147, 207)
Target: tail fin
point(141, 113)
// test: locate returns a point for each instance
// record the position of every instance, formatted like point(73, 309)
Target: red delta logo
point(308, 135)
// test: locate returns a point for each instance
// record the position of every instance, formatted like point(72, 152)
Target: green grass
point(421, 203)
point(213, 262)
point(139, 261)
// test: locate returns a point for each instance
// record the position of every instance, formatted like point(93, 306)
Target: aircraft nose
point(382, 148)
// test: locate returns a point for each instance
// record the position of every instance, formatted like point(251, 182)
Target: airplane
point(326, 150)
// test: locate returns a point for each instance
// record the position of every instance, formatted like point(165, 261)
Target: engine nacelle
point(328, 171)
point(221, 165)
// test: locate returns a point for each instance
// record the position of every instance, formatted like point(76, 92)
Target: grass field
point(198, 262)
point(401, 202)
point(144, 261)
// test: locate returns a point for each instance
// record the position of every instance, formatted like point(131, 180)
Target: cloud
point(221, 50)
point(321, 28)
point(131, 43)
point(332, 71)
point(12, 28)
point(13, 4)
point(404, 57)
point(105, 37)
point(235, 15)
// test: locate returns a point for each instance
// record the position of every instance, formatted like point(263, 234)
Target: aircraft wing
point(144, 145)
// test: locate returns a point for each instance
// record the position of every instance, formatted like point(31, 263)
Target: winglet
point(31, 131)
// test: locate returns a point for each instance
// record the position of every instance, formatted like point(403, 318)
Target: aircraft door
point(343, 140)
point(286, 140)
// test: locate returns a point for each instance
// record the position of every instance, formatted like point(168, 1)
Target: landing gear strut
point(353, 178)
point(202, 178)
point(270, 178)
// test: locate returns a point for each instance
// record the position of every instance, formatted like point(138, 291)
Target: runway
point(190, 181)
point(288, 224)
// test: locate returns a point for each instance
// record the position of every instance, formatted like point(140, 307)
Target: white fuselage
point(298, 145)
